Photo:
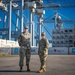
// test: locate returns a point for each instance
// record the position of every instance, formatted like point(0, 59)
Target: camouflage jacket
point(24, 40)
point(43, 46)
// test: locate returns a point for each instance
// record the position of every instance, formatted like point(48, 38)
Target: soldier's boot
point(28, 69)
point(44, 69)
point(41, 70)
point(21, 68)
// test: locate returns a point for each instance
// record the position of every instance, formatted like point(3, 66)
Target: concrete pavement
point(56, 65)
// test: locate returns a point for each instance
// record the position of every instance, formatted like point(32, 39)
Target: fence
point(34, 50)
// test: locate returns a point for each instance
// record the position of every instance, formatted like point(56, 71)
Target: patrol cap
point(43, 34)
point(26, 27)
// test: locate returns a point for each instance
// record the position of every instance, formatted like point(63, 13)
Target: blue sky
point(67, 12)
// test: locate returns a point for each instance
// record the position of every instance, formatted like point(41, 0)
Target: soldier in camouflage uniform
point(24, 43)
point(43, 52)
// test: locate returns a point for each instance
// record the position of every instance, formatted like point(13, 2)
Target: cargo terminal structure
point(17, 7)
point(61, 37)
point(39, 16)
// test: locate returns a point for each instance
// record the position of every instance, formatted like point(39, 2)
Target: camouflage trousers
point(43, 61)
point(24, 53)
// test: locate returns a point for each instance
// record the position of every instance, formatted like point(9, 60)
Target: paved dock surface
point(56, 65)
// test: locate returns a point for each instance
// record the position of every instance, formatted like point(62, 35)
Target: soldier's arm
point(30, 37)
point(19, 40)
point(39, 48)
point(47, 43)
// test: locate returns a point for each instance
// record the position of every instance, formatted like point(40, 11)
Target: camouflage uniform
point(43, 52)
point(24, 43)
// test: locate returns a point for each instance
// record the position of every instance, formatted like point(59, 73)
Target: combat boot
point(28, 69)
point(21, 68)
point(41, 70)
point(44, 69)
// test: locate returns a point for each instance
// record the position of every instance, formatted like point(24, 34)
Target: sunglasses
point(26, 28)
point(42, 35)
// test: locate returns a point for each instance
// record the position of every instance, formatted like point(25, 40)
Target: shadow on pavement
point(15, 71)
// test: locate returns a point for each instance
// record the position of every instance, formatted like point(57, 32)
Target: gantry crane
point(17, 7)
